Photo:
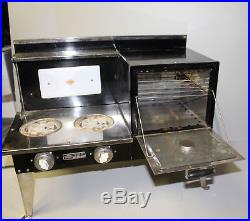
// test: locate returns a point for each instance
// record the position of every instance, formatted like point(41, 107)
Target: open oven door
point(196, 149)
point(185, 150)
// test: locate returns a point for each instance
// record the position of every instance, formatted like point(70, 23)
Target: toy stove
point(114, 99)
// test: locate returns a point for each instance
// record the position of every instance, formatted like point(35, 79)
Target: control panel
point(46, 161)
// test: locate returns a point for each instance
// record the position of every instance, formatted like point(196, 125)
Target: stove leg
point(26, 184)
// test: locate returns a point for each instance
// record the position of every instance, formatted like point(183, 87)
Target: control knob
point(103, 154)
point(44, 161)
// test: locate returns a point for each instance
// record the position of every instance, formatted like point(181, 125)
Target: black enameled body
point(121, 59)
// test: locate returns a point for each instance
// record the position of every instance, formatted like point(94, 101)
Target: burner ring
point(94, 122)
point(41, 127)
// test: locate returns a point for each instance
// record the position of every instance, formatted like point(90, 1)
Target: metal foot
point(26, 184)
point(203, 182)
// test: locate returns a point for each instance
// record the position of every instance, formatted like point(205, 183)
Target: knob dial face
point(44, 161)
point(103, 154)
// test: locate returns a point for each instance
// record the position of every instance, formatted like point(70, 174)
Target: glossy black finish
point(25, 163)
point(5, 25)
point(122, 43)
point(196, 174)
point(121, 59)
point(43, 45)
point(145, 44)
point(111, 71)
point(32, 55)
point(176, 56)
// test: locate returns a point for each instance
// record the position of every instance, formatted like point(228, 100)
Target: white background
point(218, 30)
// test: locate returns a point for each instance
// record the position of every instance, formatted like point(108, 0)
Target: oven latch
point(202, 175)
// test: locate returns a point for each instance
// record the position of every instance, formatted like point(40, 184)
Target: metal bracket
point(199, 175)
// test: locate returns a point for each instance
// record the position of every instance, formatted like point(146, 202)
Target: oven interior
point(173, 100)
point(173, 111)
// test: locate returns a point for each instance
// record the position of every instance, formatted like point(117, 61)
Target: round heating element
point(41, 127)
point(94, 122)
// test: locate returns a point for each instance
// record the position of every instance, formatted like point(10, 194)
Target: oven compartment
point(174, 115)
point(185, 150)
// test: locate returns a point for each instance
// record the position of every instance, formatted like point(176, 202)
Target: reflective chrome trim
point(67, 54)
point(59, 40)
point(103, 38)
point(68, 137)
point(65, 146)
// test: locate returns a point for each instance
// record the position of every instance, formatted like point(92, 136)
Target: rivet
point(27, 170)
point(31, 160)
point(19, 171)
